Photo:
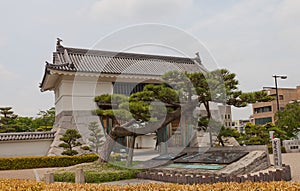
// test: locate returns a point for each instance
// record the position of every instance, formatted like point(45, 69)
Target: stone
point(49, 178)
point(79, 176)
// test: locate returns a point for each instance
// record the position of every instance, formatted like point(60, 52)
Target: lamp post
point(276, 88)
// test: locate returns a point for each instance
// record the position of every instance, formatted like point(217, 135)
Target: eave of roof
point(26, 136)
point(76, 60)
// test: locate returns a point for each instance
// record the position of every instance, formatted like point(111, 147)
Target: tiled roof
point(26, 136)
point(96, 61)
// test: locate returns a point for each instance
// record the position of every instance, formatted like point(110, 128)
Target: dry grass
point(29, 185)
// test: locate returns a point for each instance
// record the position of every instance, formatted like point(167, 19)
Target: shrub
point(44, 161)
point(115, 157)
point(69, 142)
point(270, 149)
point(97, 177)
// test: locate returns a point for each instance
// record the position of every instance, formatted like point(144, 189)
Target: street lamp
point(276, 88)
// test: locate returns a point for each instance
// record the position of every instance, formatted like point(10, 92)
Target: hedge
point(270, 149)
point(44, 161)
point(97, 177)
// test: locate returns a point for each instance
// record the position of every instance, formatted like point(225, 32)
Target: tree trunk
point(127, 129)
point(130, 152)
point(221, 140)
point(206, 104)
point(107, 148)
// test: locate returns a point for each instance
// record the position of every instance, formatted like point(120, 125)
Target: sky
point(253, 39)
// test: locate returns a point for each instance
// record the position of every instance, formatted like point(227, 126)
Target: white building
point(76, 76)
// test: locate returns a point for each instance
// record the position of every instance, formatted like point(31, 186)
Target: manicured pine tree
point(70, 140)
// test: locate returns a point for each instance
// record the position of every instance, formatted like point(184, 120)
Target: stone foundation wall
point(78, 120)
point(194, 178)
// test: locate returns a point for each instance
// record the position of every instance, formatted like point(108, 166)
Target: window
point(294, 147)
point(263, 109)
point(127, 88)
point(262, 121)
point(281, 97)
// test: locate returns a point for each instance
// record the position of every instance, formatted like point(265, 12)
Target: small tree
point(96, 136)
point(45, 120)
point(70, 141)
point(7, 120)
point(288, 120)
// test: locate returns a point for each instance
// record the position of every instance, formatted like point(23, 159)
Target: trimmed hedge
point(270, 149)
point(44, 161)
point(97, 177)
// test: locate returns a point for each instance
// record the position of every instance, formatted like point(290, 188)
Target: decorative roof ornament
point(198, 59)
point(58, 42)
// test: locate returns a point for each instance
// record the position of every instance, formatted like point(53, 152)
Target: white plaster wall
point(78, 94)
point(24, 148)
point(146, 141)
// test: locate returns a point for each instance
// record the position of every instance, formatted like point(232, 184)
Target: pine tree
point(96, 136)
point(70, 141)
point(7, 120)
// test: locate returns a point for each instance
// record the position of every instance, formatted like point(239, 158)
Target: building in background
point(226, 115)
point(239, 125)
point(264, 112)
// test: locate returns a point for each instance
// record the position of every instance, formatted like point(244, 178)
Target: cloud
point(146, 11)
point(253, 34)
point(5, 74)
point(288, 21)
point(2, 40)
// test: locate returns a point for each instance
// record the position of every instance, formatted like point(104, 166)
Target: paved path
point(292, 159)
point(32, 174)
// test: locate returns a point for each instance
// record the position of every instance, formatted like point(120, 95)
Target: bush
point(44, 161)
point(115, 157)
point(97, 177)
point(270, 149)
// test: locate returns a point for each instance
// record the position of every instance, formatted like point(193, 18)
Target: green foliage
point(97, 177)
point(111, 99)
point(107, 173)
point(121, 114)
point(45, 120)
point(218, 86)
point(7, 120)
point(86, 148)
point(255, 135)
point(70, 141)
point(270, 149)
point(96, 136)
point(44, 161)
point(69, 152)
point(289, 119)
point(115, 157)
point(151, 102)
point(10, 122)
point(229, 132)
point(259, 134)
point(44, 128)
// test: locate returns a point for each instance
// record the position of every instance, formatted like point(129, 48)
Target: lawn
point(97, 172)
